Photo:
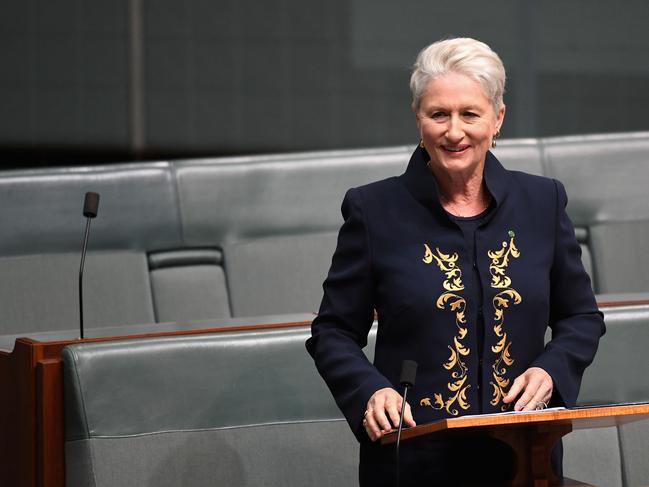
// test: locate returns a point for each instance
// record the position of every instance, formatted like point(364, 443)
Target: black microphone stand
point(403, 409)
point(90, 206)
point(408, 374)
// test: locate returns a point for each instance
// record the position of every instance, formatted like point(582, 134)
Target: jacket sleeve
point(339, 332)
point(575, 320)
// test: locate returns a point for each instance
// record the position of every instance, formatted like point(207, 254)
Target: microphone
point(90, 205)
point(407, 380)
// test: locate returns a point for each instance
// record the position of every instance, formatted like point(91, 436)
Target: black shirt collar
point(423, 186)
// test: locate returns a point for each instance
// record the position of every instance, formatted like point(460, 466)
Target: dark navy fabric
point(400, 253)
point(469, 225)
point(450, 463)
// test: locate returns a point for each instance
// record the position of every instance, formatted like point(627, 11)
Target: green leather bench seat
point(244, 409)
point(620, 373)
point(275, 218)
point(606, 180)
point(42, 229)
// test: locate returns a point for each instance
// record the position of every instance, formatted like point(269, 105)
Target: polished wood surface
point(578, 418)
point(565, 482)
point(50, 419)
point(17, 417)
point(623, 302)
point(530, 435)
point(32, 431)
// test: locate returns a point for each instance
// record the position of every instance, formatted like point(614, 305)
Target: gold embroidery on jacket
point(458, 386)
point(501, 301)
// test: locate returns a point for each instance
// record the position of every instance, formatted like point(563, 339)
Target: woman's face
point(457, 123)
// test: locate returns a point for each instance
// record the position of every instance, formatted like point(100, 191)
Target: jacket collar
point(421, 183)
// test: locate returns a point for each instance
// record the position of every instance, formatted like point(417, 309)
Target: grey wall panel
point(240, 76)
point(65, 83)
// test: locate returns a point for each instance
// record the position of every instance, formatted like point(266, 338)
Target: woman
point(466, 265)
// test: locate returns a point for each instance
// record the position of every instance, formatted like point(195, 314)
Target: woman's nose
point(454, 132)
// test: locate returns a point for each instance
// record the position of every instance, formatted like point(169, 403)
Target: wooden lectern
point(531, 435)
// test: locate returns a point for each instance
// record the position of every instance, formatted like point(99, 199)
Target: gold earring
point(493, 141)
point(421, 143)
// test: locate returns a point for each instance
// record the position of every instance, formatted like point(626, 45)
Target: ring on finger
point(541, 405)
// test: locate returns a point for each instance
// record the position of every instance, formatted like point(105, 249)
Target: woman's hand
point(536, 387)
point(382, 413)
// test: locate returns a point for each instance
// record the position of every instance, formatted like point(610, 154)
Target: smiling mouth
point(455, 150)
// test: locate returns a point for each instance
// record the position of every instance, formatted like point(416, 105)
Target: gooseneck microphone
point(90, 205)
point(407, 380)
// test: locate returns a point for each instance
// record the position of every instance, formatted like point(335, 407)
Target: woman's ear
point(500, 117)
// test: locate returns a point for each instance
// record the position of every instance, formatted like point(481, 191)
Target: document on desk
point(507, 413)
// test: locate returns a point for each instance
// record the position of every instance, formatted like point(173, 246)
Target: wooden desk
point(531, 435)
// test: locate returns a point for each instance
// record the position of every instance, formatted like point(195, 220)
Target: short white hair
point(461, 55)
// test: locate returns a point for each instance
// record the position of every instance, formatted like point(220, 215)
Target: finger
point(515, 389)
point(547, 396)
point(381, 418)
point(544, 394)
point(377, 417)
point(371, 433)
point(374, 413)
point(546, 383)
point(540, 396)
point(383, 411)
point(526, 395)
point(407, 416)
point(393, 408)
point(372, 429)
point(525, 402)
point(376, 403)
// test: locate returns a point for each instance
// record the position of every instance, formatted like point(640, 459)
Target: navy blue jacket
point(400, 254)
